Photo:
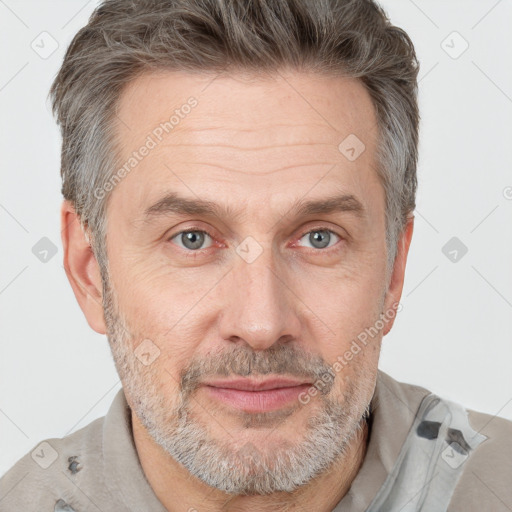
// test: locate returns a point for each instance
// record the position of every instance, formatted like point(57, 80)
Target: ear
point(82, 268)
point(396, 282)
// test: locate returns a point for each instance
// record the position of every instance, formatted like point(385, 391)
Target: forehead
point(290, 104)
point(258, 137)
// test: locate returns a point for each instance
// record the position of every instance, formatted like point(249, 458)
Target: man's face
point(259, 290)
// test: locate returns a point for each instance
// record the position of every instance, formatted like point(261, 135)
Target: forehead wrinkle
point(252, 148)
point(271, 135)
point(260, 173)
point(269, 126)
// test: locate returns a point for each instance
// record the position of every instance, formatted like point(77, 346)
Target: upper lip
point(256, 385)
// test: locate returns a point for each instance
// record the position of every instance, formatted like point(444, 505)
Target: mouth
point(254, 396)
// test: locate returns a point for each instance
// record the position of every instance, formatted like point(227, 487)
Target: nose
point(259, 306)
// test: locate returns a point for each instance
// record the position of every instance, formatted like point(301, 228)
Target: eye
point(321, 238)
point(192, 240)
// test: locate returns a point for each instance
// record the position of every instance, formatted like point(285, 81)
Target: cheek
point(352, 293)
point(158, 297)
point(349, 309)
point(170, 309)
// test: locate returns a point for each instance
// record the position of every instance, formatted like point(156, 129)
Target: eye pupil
point(192, 239)
point(319, 239)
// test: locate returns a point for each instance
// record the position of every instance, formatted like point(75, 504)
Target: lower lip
point(257, 401)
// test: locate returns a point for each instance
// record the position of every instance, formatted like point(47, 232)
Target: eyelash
point(193, 254)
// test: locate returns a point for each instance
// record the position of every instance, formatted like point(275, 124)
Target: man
point(239, 181)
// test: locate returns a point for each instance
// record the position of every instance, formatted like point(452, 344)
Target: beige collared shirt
point(97, 467)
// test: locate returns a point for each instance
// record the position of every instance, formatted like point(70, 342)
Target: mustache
point(242, 361)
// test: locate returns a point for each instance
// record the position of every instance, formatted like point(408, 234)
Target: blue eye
point(195, 240)
point(320, 238)
point(192, 239)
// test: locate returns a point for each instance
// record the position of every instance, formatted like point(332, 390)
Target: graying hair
point(125, 38)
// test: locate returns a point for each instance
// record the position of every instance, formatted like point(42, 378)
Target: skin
point(258, 145)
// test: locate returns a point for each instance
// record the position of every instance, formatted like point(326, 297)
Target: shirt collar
point(123, 473)
point(393, 409)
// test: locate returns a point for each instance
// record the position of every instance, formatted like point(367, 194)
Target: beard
point(232, 465)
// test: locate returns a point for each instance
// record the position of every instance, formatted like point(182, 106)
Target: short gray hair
point(125, 38)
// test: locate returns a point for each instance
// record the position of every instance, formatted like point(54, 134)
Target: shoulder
point(486, 479)
point(52, 470)
point(486, 482)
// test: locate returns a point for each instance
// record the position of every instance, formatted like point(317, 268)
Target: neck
point(177, 490)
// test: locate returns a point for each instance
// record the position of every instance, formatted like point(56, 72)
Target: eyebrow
point(172, 203)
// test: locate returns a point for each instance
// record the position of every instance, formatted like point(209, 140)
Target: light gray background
point(453, 335)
